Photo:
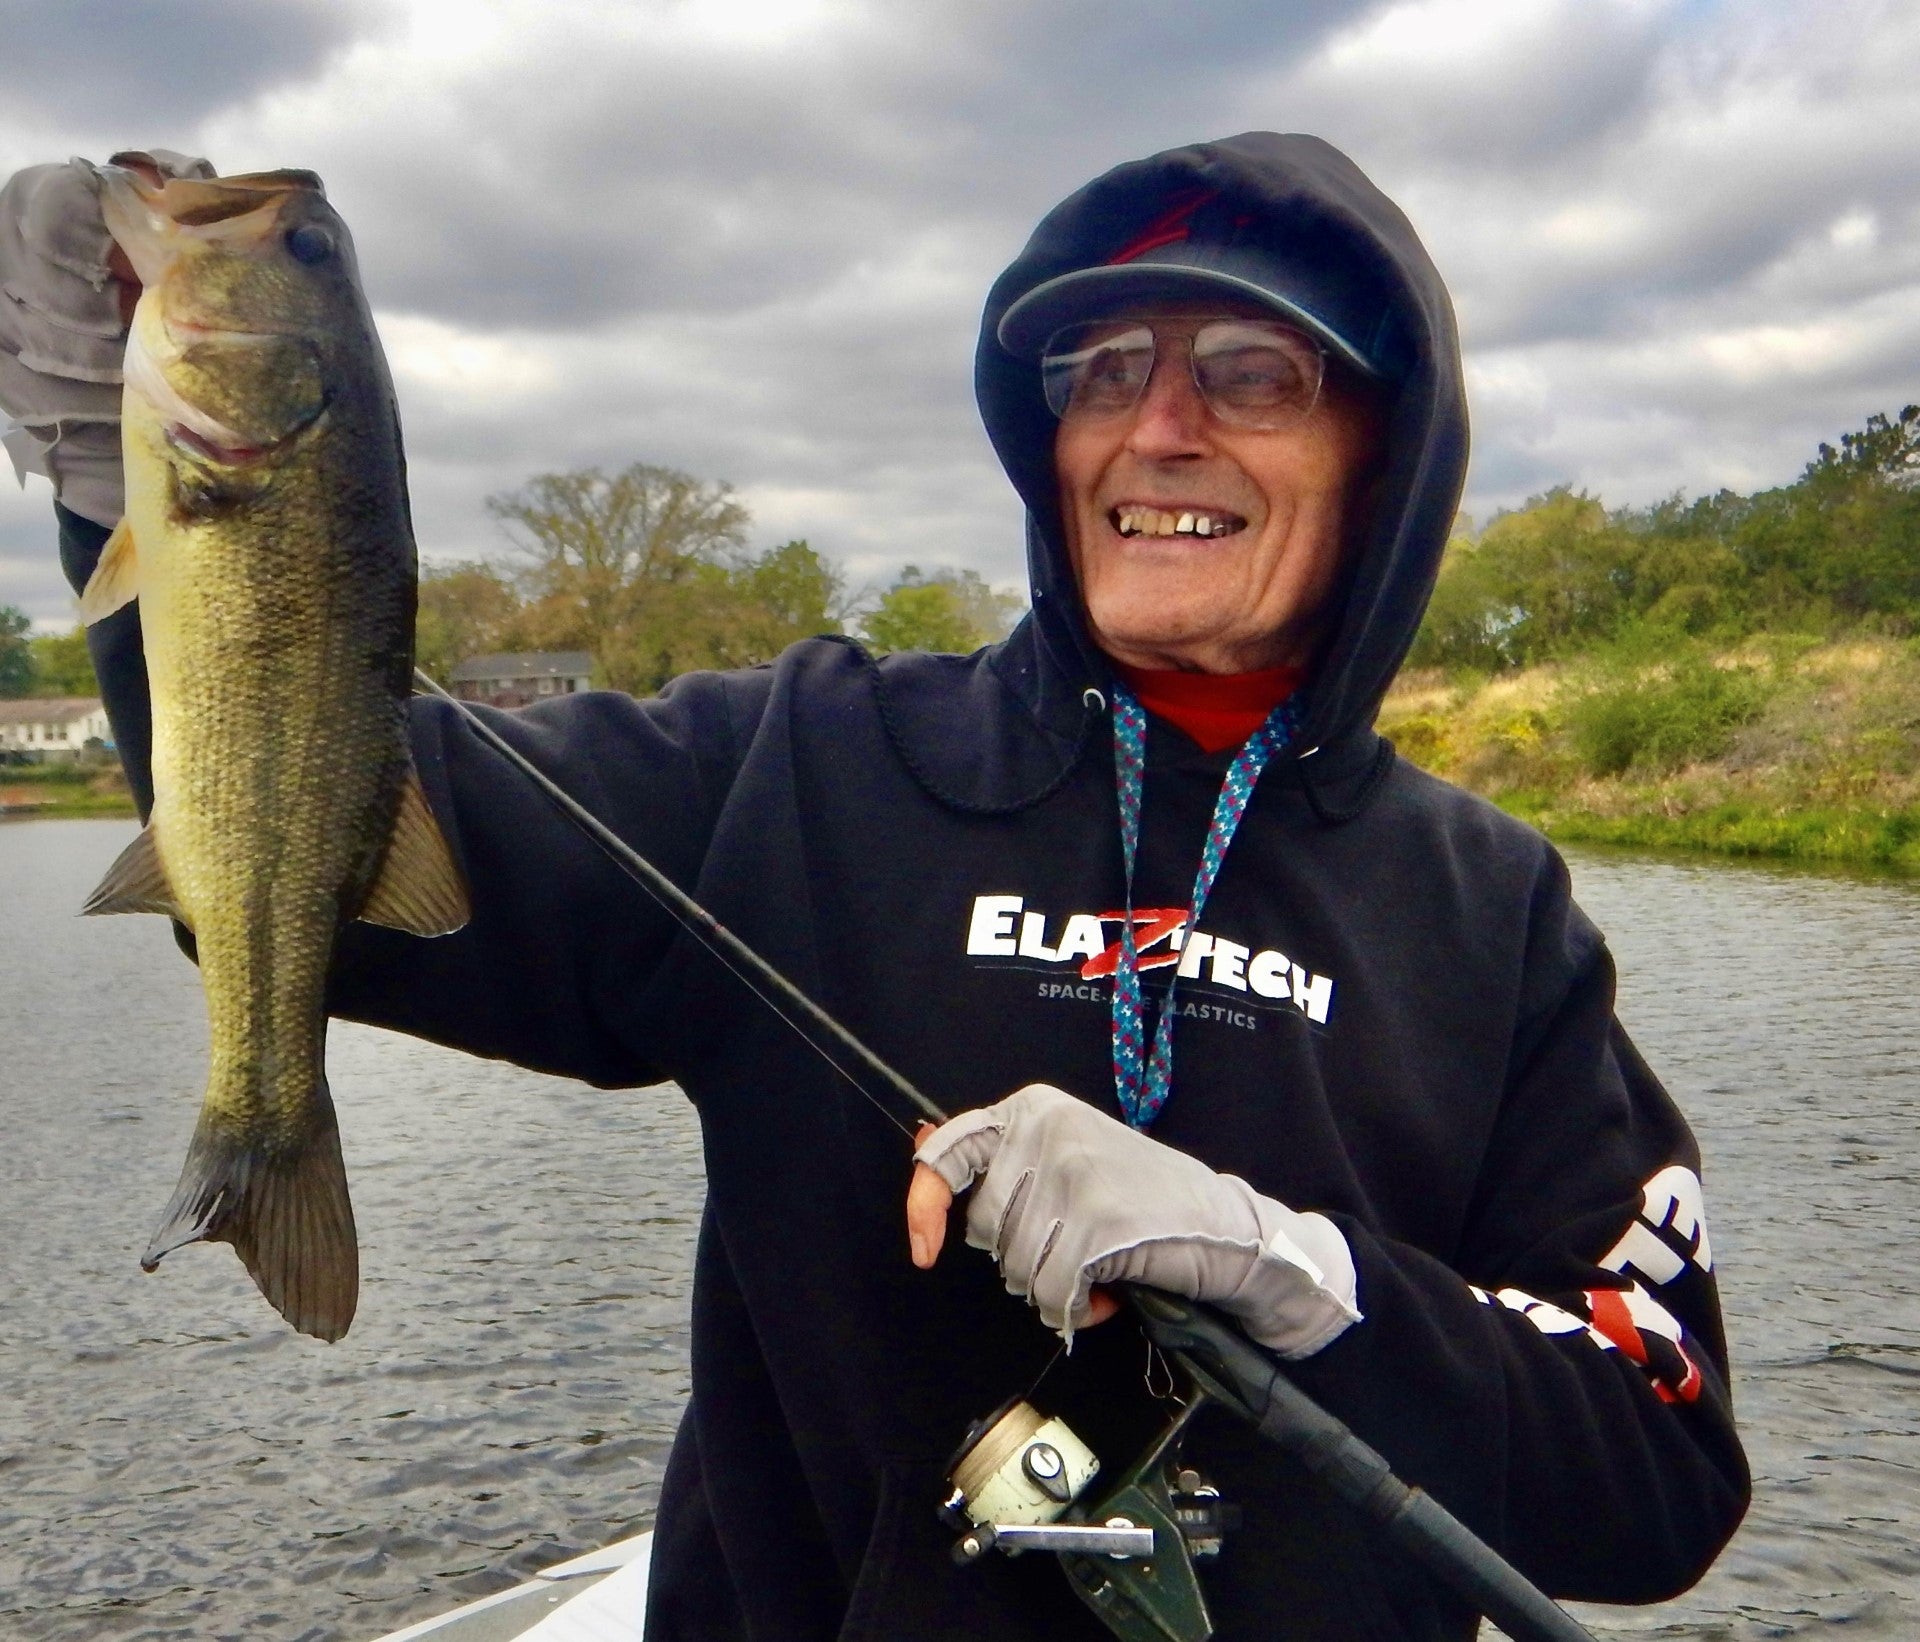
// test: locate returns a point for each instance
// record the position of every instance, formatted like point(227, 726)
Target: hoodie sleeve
point(560, 941)
point(1561, 1384)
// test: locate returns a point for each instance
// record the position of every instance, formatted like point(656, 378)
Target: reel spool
point(1017, 1468)
point(1017, 1483)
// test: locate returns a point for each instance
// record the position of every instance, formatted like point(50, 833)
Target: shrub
point(1659, 719)
point(1421, 739)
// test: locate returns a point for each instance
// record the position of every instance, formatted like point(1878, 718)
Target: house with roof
point(57, 729)
point(515, 680)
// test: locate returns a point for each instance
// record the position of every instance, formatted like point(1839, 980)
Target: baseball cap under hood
point(1292, 202)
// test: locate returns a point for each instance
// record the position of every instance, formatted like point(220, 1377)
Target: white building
point(54, 729)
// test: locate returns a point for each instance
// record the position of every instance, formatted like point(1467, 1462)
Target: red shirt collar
point(1218, 710)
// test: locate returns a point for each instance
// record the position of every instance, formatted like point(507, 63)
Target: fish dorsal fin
point(419, 889)
point(137, 882)
point(115, 580)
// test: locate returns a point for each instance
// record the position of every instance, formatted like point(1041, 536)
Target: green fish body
point(268, 543)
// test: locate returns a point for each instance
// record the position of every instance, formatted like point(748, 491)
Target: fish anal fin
point(287, 1217)
point(116, 578)
point(136, 882)
point(419, 888)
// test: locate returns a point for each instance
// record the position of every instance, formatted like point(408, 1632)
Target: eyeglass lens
point(1251, 373)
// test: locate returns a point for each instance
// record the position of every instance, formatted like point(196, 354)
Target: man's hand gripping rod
point(1222, 1362)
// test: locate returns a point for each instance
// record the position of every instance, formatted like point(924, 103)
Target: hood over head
point(1275, 214)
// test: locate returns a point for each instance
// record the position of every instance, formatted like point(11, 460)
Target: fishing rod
point(1139, 1600)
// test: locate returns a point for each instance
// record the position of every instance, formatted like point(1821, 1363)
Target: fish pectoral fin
point(137, 882)
point(287, 1216)
point(116, 578)
point(419, 889)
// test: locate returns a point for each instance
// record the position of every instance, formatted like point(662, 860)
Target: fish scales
point(268, 543)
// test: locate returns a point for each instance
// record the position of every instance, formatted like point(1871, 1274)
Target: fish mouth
point(148, 212)
point(1130, 519)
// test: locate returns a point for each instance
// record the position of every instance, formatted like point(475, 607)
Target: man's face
point(1253, 594)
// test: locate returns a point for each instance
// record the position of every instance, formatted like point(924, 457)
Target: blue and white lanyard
point(1143, 1087)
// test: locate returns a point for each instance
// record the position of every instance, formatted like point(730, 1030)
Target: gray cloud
point(666, 173)
point(29, 560)
point(1518, 90)
point(155, 66)
point(753, 241)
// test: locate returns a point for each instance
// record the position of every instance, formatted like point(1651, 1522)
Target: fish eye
point(310, 243)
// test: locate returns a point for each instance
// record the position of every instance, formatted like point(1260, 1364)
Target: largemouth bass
point(267, 541)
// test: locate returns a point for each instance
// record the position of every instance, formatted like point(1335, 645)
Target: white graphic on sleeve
point(1543, 1314)
point(1671, 1202)
point(1622, 1320)
point(1002, 926)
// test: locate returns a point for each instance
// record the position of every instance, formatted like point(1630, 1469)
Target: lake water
point(174, 1463)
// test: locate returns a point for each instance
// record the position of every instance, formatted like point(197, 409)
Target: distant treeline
point(1837, 550)
point(648, 569)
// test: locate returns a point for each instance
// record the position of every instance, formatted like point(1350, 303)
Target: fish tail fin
point(288, 1217)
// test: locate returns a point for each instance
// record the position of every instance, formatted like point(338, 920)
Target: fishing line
point(1046, 1368)
point(760, 977)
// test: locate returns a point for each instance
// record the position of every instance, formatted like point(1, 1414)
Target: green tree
point(1848, 533)
point(1550, 575)
point(648, 569)
point(1838, 548)
point(953, 611)
point(628, 566)
point(1887, 449)
point(786, 593)
point(466, 609)
point(61, 665)
point(16, 658)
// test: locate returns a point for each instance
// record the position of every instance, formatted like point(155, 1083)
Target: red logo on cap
point(1171, 226)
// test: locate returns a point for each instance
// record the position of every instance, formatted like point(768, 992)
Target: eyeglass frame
point(1120, 327)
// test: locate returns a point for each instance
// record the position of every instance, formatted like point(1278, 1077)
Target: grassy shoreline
point(1887, 841)
point(64, 791)
point(1784, 748)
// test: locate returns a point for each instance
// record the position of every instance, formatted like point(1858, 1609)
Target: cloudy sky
point(750, 238)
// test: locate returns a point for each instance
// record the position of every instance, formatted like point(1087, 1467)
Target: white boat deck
point(599, 1597)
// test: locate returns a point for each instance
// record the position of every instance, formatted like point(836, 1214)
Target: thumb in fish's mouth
point(128, 204)
point(142, 164)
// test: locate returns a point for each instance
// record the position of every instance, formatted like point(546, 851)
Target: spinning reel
point(1018, 1484)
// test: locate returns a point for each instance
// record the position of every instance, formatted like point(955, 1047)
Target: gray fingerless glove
point(1065, 1197)
point(61, 338)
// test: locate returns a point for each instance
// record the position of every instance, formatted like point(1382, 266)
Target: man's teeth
point(1151, 521)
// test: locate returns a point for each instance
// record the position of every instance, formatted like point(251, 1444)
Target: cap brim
point(1088, 293)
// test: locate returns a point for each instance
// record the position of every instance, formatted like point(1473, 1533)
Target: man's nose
point(1171, 418)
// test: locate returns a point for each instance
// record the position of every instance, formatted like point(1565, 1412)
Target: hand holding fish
point(70, 295)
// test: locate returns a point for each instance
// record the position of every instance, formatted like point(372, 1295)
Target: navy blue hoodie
point(1392, 1013)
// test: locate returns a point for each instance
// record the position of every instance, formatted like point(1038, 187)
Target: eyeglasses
point(1252, 373)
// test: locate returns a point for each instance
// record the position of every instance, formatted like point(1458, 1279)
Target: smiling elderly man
point(1292, 1027)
